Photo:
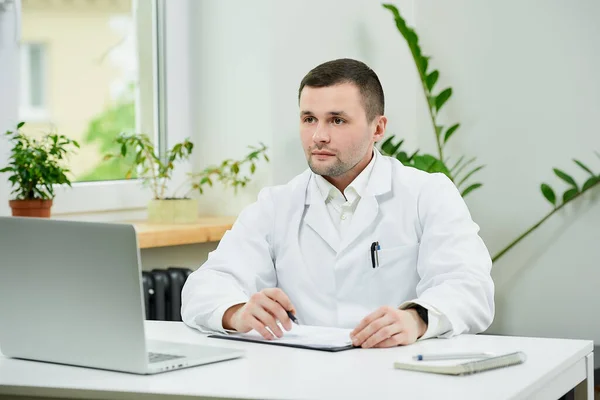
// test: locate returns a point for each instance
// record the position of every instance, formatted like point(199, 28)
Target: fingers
point(279, 296)
point(373, 329)
point(380, 312)
point(260, 328)
point(277, 311)
point(268, 311)
point(268, 320)
point(383, 334)
point(399, 339)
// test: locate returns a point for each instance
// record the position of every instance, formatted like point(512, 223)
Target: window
point(33, 82)
point(100, 61)
point(89, 71)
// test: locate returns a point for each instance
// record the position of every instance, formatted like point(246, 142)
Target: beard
point(334, 169)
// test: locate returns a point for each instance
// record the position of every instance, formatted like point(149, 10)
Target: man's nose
point(321, 134)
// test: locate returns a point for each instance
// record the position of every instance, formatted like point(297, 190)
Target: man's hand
point(263, 310)
point(388, 327)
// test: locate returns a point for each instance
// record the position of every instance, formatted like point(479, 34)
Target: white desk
point(553, 367)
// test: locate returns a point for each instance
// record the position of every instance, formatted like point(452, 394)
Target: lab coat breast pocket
point(395, 279)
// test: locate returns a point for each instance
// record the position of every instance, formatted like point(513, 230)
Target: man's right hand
point(262, 311)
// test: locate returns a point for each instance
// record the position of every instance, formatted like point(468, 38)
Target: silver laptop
point(71, 293)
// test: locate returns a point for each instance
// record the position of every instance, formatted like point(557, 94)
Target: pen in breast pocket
point(375, 247)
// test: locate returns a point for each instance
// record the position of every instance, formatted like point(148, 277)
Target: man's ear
point(381, 123)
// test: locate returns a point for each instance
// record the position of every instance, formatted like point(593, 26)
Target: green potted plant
point(35, 165)
point(157, 172)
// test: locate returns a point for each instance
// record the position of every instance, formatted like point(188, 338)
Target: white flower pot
point(174, 211)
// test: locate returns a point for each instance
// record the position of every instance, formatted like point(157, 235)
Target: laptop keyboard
point(158, 357)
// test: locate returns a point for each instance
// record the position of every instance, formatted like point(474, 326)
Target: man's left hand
point(388, 327)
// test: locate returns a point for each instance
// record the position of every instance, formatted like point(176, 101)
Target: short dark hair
point(346, 70)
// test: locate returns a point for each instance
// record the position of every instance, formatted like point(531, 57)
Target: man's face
point(334, 130)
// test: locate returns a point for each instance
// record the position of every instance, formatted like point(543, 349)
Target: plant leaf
point(588, 184)
point(548, 193)
point(471, 188)
point(424, 63)
point(459, 170)
point(402, 157)
point(469, 174)
point(438, 130)
point(565, 177)
point(413, 155)
point(424, 162)
point(442, 98)
point(450, 131)
point(457, 163)
point(20, 125)
point(432, 79)
point(569, 194)
point(431, 101)
point(123, 149)
point(389, 148)
point(584, 167)
point(429, 163)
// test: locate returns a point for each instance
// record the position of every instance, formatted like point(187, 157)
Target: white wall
point(249, 58)
point(525, 76)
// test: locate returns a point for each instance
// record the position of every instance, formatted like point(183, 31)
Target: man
point(357, 241)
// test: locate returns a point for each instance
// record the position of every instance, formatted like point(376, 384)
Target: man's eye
point(338, 121)
point(309, 120)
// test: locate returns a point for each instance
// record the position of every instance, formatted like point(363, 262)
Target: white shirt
point(341, 208)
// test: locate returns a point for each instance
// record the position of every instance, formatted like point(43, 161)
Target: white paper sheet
point(312, 336)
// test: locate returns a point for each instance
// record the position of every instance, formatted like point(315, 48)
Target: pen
point(375, 254)
point(450, 356)
point(292, 317)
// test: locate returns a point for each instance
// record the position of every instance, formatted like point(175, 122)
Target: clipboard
point(331, 349)
point(301, 336)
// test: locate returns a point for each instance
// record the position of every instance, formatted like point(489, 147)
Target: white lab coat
point(430, 254)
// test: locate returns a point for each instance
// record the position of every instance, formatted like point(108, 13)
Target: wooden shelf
point(208, 229)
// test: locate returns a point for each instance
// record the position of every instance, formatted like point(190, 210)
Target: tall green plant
point(459, 172)
point(463, 169)
point(572, 193)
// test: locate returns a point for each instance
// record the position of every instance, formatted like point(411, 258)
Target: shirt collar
point(355, 189)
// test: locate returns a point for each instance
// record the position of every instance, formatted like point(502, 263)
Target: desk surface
point(269, 372)
point(206, 229)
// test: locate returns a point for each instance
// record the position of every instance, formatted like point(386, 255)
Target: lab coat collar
point(317, 217)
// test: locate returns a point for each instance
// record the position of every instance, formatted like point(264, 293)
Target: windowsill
point(152, 235)
point(204, 230)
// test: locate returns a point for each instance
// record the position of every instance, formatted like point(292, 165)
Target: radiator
point(162, 293)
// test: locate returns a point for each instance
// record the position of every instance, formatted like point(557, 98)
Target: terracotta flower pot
point(31, 208)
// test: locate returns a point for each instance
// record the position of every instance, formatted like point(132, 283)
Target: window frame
point(172, 124)
point(26, 109)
